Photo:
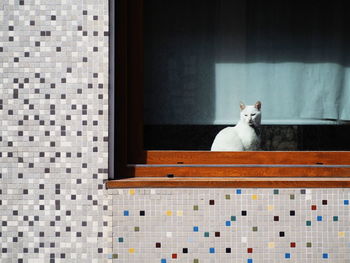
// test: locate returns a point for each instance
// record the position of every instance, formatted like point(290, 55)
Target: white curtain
point(203, 57)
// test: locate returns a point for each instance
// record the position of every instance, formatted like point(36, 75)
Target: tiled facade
point(54, 131)
point(53, 162)
point(231, 225)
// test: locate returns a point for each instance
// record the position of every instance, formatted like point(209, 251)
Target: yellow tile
point(341, 234)
point(254, 197)
point(131, 191)
point(131, 250)
point(179, 213)
point(271, 244)
point(270, 207)
point(169, 213)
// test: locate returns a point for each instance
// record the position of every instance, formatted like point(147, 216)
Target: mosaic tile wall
point(53, 131)
point(231, 225)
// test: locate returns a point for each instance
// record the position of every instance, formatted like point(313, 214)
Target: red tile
point(174, 256)
point(293, 244)
point(313, 207)
point(249, 250)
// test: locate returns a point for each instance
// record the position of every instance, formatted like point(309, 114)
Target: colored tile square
point(313, 207)
point(249, 260)
point(120, 240)
point(244, 213)
point(211, 202)
point(249, 250)
point(292, 213)
point(206, 234)
point(271, 245)
point(173, 256)
point(126, 213)
point(227, 197)
point(346, 202)
point(131, 250)
point(292, 197)
point(228, 223)
point(142, 213)
point(195, 207)
point(325, 255)
point(324, 202)
point(319, 218)
point(254, 228)
point(255, 197)
point(335, 218)
point(169, 213)
point(341, 234)
point(228, 250)
point(308, 244)
point(158, 245)
point(293, 244)
point(281, 234)
point(137, 229)
point(185, 250)
point(233, 218)
point(238, 191)
point(217, 234)
point(131, 191)
point(163, 260)
point(211, 250)
point(196, 260)
point(195, 229)
point(287, 255)
point(276, 218)
point(308, 223)
point(276, 191)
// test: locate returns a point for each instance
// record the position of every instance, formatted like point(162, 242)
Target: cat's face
point(251, 114)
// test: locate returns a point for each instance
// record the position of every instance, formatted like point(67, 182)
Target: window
point(146, 151)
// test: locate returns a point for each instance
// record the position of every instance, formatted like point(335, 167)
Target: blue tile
point(325, 255)
point(212, 250)
point(238, 191)
point(287, 255)
point(228, 223)
point(249, 260)
point(126, 213)
point(346, 202)
point(319, 218)
point(195, 229)
point(163, 260)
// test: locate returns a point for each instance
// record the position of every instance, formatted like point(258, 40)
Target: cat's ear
point(242, 105)
point(258, 105)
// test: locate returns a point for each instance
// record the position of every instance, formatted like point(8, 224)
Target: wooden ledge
point(218, 182)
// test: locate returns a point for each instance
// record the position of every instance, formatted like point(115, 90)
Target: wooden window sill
point(219, 182)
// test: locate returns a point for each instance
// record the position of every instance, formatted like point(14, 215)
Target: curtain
point(203, 57)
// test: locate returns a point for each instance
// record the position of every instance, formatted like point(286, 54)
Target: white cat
point(245, 136)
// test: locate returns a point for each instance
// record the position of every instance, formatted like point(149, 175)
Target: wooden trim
point(230, 183)
point(205, 171)
point(121, 81)
point(135, 81)
point(205, 157)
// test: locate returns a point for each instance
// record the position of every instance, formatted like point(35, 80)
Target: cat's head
point(251, 114)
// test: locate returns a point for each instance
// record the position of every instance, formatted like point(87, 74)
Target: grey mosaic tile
point(52, 156)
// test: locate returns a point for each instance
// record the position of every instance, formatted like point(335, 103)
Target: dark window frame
point(132, 166)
